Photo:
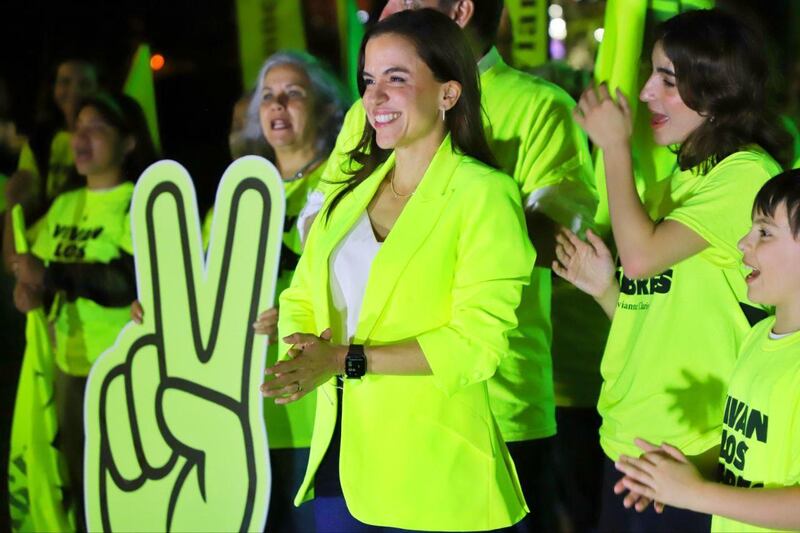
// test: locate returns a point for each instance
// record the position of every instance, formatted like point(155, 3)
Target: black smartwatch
point(355, 362)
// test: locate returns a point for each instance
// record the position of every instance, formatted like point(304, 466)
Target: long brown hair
point(443, 47)
point(722, 73)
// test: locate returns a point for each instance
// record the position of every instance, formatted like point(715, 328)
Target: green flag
point(139, 86)
point(351, 31)
point(35, 483)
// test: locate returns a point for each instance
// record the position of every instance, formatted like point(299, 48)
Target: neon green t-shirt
point(61, 161)
point(760, 444)
point(530, 130)
point(532, 134)
point(289, 426)
point(85, 226)
point(675, 336)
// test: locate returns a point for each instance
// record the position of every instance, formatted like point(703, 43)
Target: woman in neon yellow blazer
point(438, 274)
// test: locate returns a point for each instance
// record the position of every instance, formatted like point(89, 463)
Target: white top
point(314, 202)
point(350, 264)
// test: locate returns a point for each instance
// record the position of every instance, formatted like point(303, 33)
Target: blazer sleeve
point(494, 260)
point(296, 307)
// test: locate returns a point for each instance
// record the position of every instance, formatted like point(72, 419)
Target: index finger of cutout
point(166, 241)
point(243, 257)
point(193, 300)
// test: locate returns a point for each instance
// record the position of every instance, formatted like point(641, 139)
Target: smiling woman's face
point(672, 120)
point(287, 102)
point(401, 97)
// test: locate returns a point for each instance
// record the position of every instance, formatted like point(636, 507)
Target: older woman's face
point(401, 96)
point(286, 106)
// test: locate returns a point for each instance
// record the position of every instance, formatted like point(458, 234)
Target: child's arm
point(645, 248)
point(589, 266)
point(667, 476)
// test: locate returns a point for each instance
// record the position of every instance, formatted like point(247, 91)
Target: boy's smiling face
point(772, 251)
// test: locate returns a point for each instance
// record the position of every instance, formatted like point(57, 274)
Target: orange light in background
point(157, 62)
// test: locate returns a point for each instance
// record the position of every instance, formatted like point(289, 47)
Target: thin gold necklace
point(394, 191)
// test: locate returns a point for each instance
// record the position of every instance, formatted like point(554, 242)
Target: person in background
point(81, 259)
point(759, 462)
point(678, 304)
point(297, 108)
point(46, 161)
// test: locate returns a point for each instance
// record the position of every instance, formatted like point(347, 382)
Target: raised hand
point(587, 265)
point(607, 123)
point(175, 433)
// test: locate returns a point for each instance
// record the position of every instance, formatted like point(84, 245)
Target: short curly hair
point(330, 100)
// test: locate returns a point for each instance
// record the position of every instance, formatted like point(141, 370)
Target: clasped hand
point(662, 474)
point(313, 360)
point(29, 272)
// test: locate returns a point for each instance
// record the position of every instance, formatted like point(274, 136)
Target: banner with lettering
point(266, 26)
point(529, 22)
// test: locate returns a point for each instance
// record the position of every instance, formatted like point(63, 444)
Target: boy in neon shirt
point(761, 429)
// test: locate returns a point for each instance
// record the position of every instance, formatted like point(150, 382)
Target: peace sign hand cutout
point(175, 433)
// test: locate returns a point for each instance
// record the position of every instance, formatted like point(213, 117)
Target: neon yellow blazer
point(424, 452)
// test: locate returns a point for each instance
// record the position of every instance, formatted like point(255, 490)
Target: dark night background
point(194, 91)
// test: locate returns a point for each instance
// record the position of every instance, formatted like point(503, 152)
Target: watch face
point(355, 363)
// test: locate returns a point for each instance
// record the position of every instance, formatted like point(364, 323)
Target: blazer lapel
point(410, 231)
point(347, 213)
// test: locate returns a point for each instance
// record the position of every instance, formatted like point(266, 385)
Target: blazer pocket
point(461, 425)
